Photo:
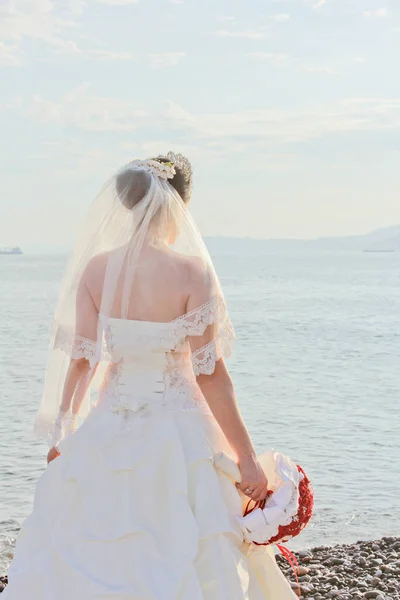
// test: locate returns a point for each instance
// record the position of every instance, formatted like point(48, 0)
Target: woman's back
point(164, 286)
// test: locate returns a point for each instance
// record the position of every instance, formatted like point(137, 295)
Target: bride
point(137, 402)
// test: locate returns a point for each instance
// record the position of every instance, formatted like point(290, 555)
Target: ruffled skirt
point(134, 509)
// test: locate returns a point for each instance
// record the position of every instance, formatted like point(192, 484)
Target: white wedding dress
point(134, 508)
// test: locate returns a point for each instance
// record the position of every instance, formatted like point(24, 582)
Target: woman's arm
point(219, 393)
point(77, 381)
point(76, 384)
point(80, 372)
point(218, 389)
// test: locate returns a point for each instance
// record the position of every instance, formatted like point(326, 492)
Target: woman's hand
point(254, 481)
point(52, 454)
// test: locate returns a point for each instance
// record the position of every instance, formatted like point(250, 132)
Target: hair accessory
point(182, 163)
point(162, 170)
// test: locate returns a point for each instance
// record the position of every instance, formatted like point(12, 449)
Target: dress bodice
point(150, 367)
point(143, 341)
point(149, 364)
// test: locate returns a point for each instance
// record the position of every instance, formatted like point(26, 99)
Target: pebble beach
point(369, 570)
point(365, 570)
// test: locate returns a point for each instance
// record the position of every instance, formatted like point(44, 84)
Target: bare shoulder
point(93, 277)
point(95, 269)
point(196, 280)
point(193, 269)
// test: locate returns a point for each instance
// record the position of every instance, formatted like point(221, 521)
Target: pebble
point(362, 562)
point(396, 545)
point(362, 571)
point(305, 590)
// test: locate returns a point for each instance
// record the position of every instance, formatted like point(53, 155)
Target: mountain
point(391, 244)
point(384, 239)
point(379, 240)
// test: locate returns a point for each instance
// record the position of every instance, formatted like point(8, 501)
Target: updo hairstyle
point(132, 186)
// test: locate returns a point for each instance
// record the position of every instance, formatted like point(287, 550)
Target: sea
point(316, 368)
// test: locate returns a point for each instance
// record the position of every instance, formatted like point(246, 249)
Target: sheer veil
point(136, 207)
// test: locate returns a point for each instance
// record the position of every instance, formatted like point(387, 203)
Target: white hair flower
point(160, 169)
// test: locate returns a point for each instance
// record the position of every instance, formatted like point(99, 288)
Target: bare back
point(166, 285)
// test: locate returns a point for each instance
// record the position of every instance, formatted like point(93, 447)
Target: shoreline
point(365, 570)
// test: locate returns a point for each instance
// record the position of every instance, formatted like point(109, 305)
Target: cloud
point(110, 55)
point(320, 4)
point(249, 34)
point(176, 1)
point(13, 104)
point(77, 7)
point(279, 126)
point(165, 59)
point(87, 111)
point(84, 110)
point(319, 69)
point(281, 18)
point(35, 20)
point(71, 48)
point(117, 2)
point(381, 105)
point(380, 13)
point(225, 19)
point(52, 143)
point(73, 7)
point(54, 24)
point(10, 56)
point(85, 158)
point(274, 59)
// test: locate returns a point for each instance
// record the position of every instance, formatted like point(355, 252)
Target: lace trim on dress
point(181, 382)
point(197, 320)
point(205, 358)
point(84, 348)
point(195, 323)
point(78, 347)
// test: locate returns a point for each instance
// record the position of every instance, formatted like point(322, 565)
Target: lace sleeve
point(76, 346)
point(205, 357)
point(210, 334)
point(195, 322)
point(84, 348)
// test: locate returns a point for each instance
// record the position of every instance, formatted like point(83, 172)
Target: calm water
point(316, 368)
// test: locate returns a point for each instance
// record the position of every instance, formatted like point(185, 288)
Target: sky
point(288, 109)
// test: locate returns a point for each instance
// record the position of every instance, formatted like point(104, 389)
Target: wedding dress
point(134, 509)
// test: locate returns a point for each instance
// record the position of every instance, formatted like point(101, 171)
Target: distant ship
point(14, 250)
